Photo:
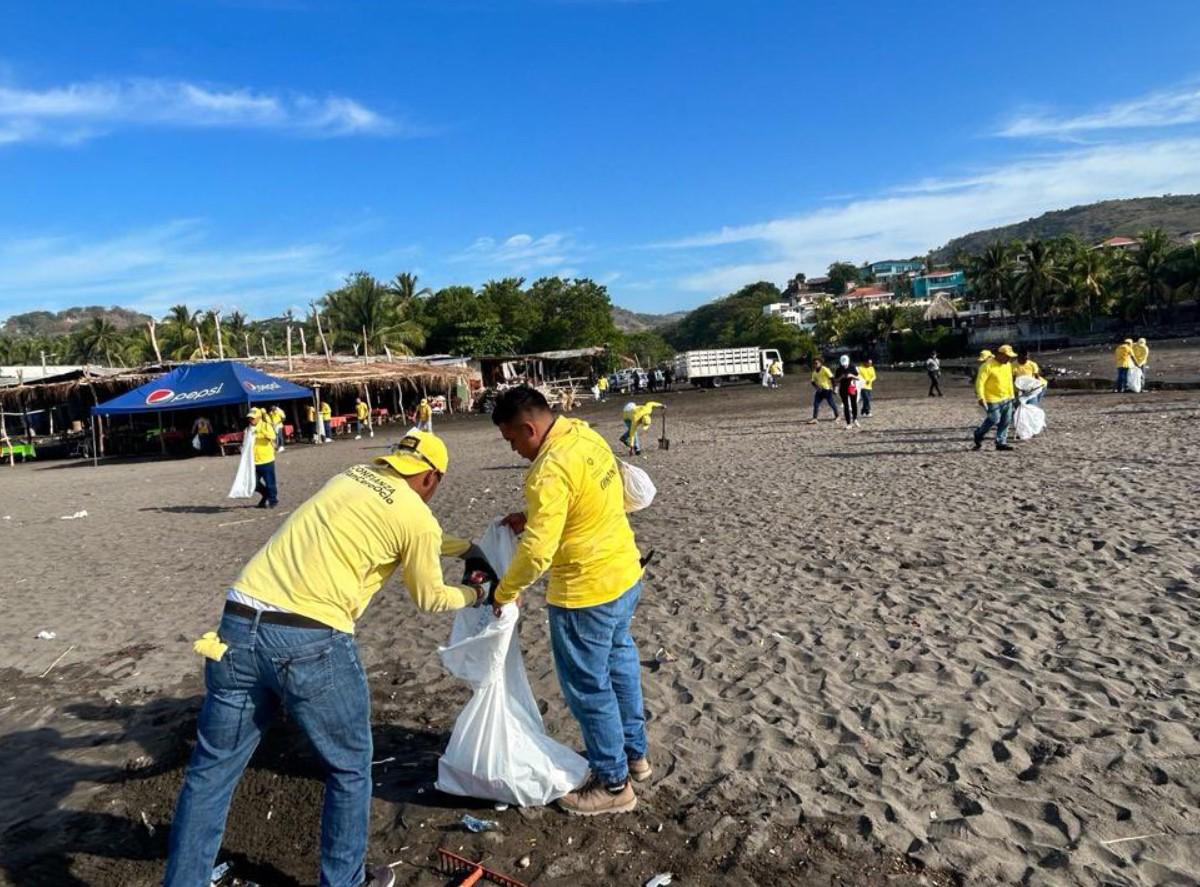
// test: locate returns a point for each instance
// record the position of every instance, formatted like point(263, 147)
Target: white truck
point(716, 366)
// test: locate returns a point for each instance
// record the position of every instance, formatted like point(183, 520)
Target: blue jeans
point(279, 436)
point(264, 482)
point(600, 675)
point(999, 415)
point(630, 437)
point(1122, 378)
point(824, 395)
point(317, 675)
point(865, 394)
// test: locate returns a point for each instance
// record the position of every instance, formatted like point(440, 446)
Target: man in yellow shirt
point(424, 416)
point(822, 383)
point(1141, 358)
point(774, 373)
point(574, 525)
point(326, 417)
point(362, 418)
point(866, 378)
point(637, 419)
point(278, 418)
point(1123, 357)
point(287, 641)
point(994, 389)
point(1027, 366)
point(264, 457)
point(602, 387)
point(310, 419)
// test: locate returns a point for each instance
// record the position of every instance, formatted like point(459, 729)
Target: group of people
point(286, 636)
point(853, 383)
point(997, 394)
point(1131, 355)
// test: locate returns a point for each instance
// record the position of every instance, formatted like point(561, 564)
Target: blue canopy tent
point(216, 384)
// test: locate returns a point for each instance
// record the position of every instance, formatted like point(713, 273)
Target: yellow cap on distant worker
point(1006, 350)
point(985, 355)
point(1128, 342)
point(418, 452)
point(255, 413)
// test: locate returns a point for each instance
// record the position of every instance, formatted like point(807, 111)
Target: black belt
point(273, 616)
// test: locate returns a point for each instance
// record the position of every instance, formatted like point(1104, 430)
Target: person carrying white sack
point(575, 526)
point(286, 640)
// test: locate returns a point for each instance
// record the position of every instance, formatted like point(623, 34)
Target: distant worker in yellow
point(866, 379)
point(425, 416)
point(362, 418)
point(994, 390)
point(264, 457)
point(822, 383)
point(1141, 358)
point(602, 387)
point(775, 373)
point(310, 423)
point(326, 420)
point(637, 419)
point(278, 418)
point(1123, 357)
point(1027, 366)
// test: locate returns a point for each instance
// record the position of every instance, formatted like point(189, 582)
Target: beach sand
point(895, 660)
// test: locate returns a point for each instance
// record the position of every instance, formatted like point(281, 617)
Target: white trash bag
point(499, 750)
point(1030, 421)
point(639, 489)
point(1135, 379)
point(244, 482)
point(196, 444)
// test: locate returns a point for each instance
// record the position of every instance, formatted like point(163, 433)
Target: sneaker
point(978, 444)
point(593, 798)
point(281, 449)
point(380, 876)
point(358, 437)
point(640, 770)
point(811, 422)
point(856, 425)
point(1003, 447)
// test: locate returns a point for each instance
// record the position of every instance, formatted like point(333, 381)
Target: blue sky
point(250, 154)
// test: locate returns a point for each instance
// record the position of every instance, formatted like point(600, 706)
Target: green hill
point(631, 322)
point(69, 320)
point(1092, 222)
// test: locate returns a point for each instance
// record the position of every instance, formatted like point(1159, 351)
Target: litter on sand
point(46, 635)
point(473, 824)
point(74, 516)
point(218, 873)
point(661, 880)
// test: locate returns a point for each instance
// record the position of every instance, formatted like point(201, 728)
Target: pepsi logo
point(159, 395)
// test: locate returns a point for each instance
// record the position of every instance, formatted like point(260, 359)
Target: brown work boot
point(594, 798)
point(640, 770)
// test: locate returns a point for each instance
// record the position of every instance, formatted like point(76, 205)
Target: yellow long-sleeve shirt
point(867, 376)
point(424, 412)
point(1141, 353)
point(1028, 368)
point(264, 441)
point(326, 411)
point(575, 523)
point(337, 549)
point(361, 411)
point(642, 416)
point(994, 382)
point(1123, 356)
point(822, 378)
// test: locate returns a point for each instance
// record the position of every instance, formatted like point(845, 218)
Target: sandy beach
point(887, 659)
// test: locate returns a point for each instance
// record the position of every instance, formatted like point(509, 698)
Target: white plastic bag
point(499, 750)
point(1135, 379)
point(639, 489)
point(1030, 421)
point(244, 481)
point(196, 445)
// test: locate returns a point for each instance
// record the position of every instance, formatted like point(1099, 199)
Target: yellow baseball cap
point(985, 355)
point(1006, 350)
point(1128, 342)
point(255, 413)
point(418, 452)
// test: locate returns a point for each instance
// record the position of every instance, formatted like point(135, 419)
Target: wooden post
point(289, 347)
point(370, 418)
point(318, 422)
point(246, 337)
point(24, 406)
point(388, 352)
point(263, 339)
point(220, 341)
point(12, 453)
point(400, 394)
point(154, 339)
point(303, 344)
point(321, 333)
point(200, 341)
point(95, 444)
point(366, 350)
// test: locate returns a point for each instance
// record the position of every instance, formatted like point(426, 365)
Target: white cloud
point(1177, 107)
point(521, 253)
point(154, 268)
point(77, 111)
point(915, 218)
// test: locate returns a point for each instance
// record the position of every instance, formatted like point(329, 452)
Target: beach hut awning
point(221, 383)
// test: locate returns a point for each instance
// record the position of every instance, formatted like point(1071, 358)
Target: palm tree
point(98, 339)
point(1147, 272)
point(404, 287)
point(1185, 263)
point(991, 274)
point(1089, 270)
point(365, 306)
point(179, 334)
point(1038, 275)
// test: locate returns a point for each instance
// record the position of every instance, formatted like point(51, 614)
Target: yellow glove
point(210, 646)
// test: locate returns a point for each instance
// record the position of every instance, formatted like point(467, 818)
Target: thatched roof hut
point(941, 308)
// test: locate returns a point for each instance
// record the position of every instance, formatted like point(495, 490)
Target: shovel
point(663, 443)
